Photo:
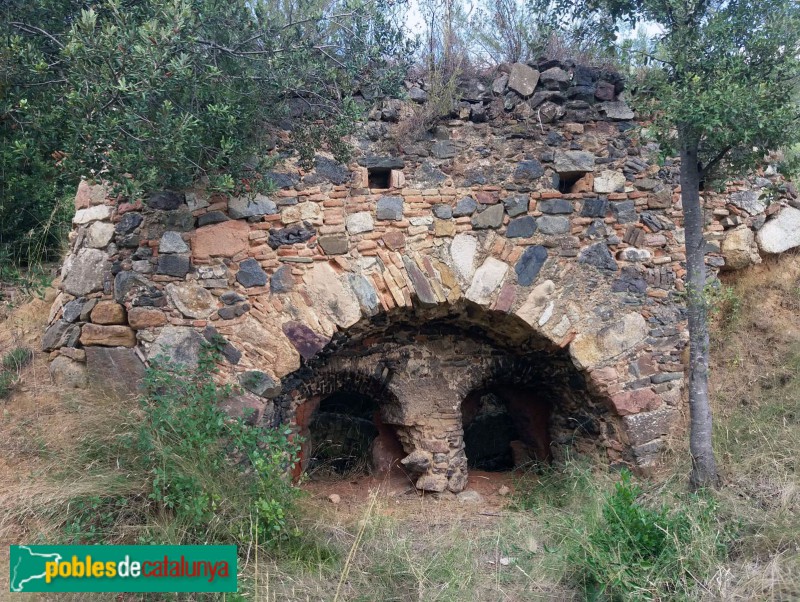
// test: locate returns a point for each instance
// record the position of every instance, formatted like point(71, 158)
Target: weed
point(17, 358)
point(633, 552)
point(7, 381)
point(203, 476)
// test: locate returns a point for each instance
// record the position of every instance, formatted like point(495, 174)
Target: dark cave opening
point(347, 437)
point(506, 428)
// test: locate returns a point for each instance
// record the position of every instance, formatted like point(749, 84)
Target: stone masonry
point(531, 240)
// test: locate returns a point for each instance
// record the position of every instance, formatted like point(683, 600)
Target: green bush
point(204, 477)
point(633, 552)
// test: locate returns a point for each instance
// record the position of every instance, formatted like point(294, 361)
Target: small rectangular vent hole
point(378, 177)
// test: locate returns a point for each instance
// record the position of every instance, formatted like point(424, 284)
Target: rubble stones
point(128, 223)
point(174, 265)
point(91, 214)
point(191, 300)
point(550, 224)
point(522, 227)
point(555, 206)
point(491, 217)
point(122, 362)
point(748, 200)
point(463, 250)
point(530, 264)
point(60, 334)
point(108, 312)
point(486, 280)
point(107, 336)
point(291, 235)
point(608, 181)
point(99, 235)
point(360, 222)
point(83, 271)
point(66, 373)
point(334, 244)
point(225, 239)
point(739, 248)
point(528, 171)
point(178, 344)
point(598, 256)
point(250, 274)
point(781, 233)
point(390, 208)
point(245, 206)
point(172, 242)
point(573, 163)
point(523, 79)
point(465, 207)
point(165, 200)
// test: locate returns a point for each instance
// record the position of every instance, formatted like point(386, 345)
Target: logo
point(123, 569)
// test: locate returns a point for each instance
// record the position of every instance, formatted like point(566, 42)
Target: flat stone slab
point(116, 368)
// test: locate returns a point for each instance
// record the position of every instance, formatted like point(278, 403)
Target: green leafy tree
point(720, 96)
point(159, 93)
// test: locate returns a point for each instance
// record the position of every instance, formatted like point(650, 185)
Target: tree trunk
point(704, 465)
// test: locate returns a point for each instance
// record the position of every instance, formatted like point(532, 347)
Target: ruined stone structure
point(529, 248)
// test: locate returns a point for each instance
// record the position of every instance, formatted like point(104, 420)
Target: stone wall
point(531, 240)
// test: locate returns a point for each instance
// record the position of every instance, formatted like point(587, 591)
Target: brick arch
point(423, 361)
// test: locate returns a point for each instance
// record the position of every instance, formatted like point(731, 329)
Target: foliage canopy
point(158, 93)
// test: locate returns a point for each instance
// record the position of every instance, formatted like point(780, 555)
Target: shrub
point(204, 477)
point(17, 358)
point(633, 552)
point(7, 380)
point(162, 93)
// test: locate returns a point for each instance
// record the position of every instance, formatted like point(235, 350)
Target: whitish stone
point(91, 214)
point(533, 307)
point(83, 271)
point(308, 211)
point(592, 349)
point(739, 248)
point(171, 242)
point(748, 200)
point(634, 255)
point(546, 314)
point(99, 235)
point(463, 250)
point(486, 280)
point(470, 497)
point(523, 79)
point(616, 110)
point(331, 297)
point(780, 233)
point(608, 181)
point(360, 222)
point(244, 206)
point(191, 300)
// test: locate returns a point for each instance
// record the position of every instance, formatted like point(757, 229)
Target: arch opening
point(444, 389)
point(506, 428)
point(347, 437)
